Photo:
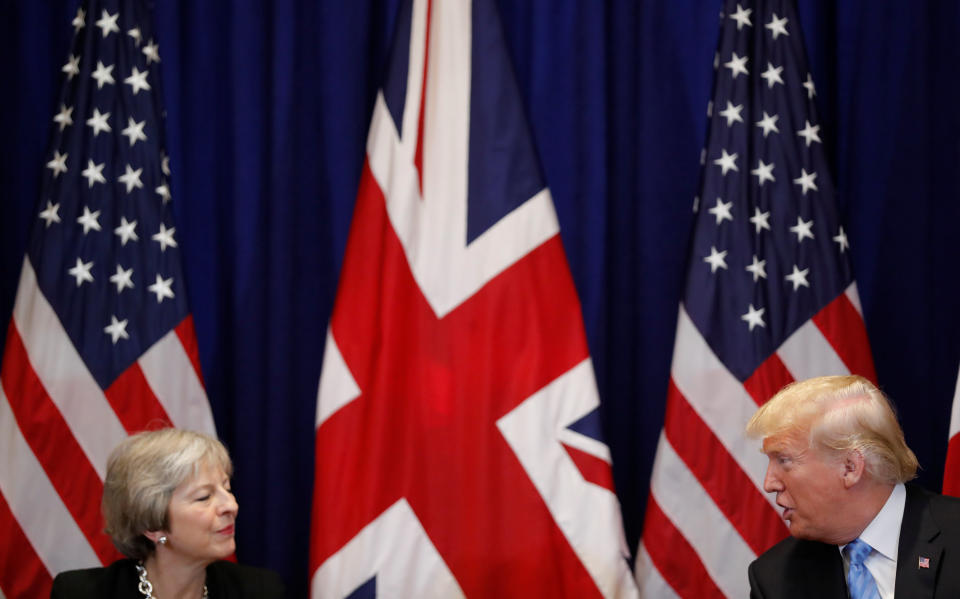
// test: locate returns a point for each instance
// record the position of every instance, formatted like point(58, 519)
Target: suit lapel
point(921, 548)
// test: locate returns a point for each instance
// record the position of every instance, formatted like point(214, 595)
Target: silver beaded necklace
point(146, 588)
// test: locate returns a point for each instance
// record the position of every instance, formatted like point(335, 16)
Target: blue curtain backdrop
point(268, 105)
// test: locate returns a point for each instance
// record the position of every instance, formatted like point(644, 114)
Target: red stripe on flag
point(187, 334)
point(767, 379)
point(53, 443)
point(720, 475)
point(22, 574)
point(843, 327)
point(951, 478)
point(593, 469)
point(418, 155)
point(674, 557)
point(134, 402)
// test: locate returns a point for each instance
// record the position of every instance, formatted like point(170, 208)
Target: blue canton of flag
point(104, 246)
point(101, 343)
point(769, 299)
point(771, 248)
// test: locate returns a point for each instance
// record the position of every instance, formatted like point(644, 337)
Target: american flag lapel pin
point(924, 562)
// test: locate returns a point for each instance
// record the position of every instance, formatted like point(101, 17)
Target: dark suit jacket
point(119, 580)
point(930, 529)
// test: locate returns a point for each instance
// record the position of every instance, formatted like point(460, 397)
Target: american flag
point(458, 446)
point(951, 470)
point(769, 298)
point(101, 343)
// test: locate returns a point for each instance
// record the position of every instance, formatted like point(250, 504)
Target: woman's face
point(202, 515)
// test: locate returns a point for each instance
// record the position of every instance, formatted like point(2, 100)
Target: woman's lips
point(227, 530)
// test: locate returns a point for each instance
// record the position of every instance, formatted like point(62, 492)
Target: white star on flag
point(727, 162)
point(716, 259)
point(722, 210)
point(165, 237)
point(162, 287)
point(754, 317)
point(798, 277)
point(768, 123)
point(122, 278)
point(81, 271)
point(108, 23)
point(126, 231)
point(806, 181)
point(137, 81)
point(131, 178)
point(803, 229)
point(58, 164)
point(94, 173)
point(64, 118)
point(103, 74)
point(134, 131)
point(50, 214)
point(117, 329)
point(98, 122)
point(89, 220)
point(760, 219)
point(777, 26)
point(764, 172)
point(737, 65)
point(810, 133)
point(757, 269)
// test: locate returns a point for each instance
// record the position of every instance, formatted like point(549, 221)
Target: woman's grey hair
point(142, 473)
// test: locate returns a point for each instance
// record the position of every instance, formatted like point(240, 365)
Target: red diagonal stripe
point(844, 329)
point(188, 338)
point(951, 478)
point(767, 379)
point(593, 469)
point(720, 475)
point(674, 557)
point(51, 440)
point(22, 574)
point(134, 402)
point(418, 153)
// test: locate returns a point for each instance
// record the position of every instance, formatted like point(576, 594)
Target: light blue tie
point(859, 580)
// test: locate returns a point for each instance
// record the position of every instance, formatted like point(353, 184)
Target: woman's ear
point(154, 535)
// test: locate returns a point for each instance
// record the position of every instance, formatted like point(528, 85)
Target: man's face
point(809, 485)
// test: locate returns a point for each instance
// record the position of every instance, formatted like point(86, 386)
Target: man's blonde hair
point(838, 414)
point(142, 473)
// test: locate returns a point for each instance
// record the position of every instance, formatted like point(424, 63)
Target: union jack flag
point(769, 298)
point(101, 342)
point(458, 446)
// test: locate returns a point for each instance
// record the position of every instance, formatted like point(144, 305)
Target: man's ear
point(854, 467)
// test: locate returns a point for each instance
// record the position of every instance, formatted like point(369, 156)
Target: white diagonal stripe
point(35, 503)
point(174, 381)
point(652, 583)
point(60, 368)
point(718, 398)
point(723, 552)
point(337, 385)
point(807, 353)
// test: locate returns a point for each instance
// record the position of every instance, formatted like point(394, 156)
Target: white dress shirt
point(883, 534)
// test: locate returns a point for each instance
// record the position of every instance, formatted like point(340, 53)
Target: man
point(838, 463)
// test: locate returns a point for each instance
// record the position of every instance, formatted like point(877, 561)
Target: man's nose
point(772, 482)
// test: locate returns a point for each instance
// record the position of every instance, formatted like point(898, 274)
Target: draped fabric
point(268, 106)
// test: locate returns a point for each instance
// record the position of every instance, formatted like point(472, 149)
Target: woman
point(168, 507)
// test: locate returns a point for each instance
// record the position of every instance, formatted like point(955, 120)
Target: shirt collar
point(883, 533)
